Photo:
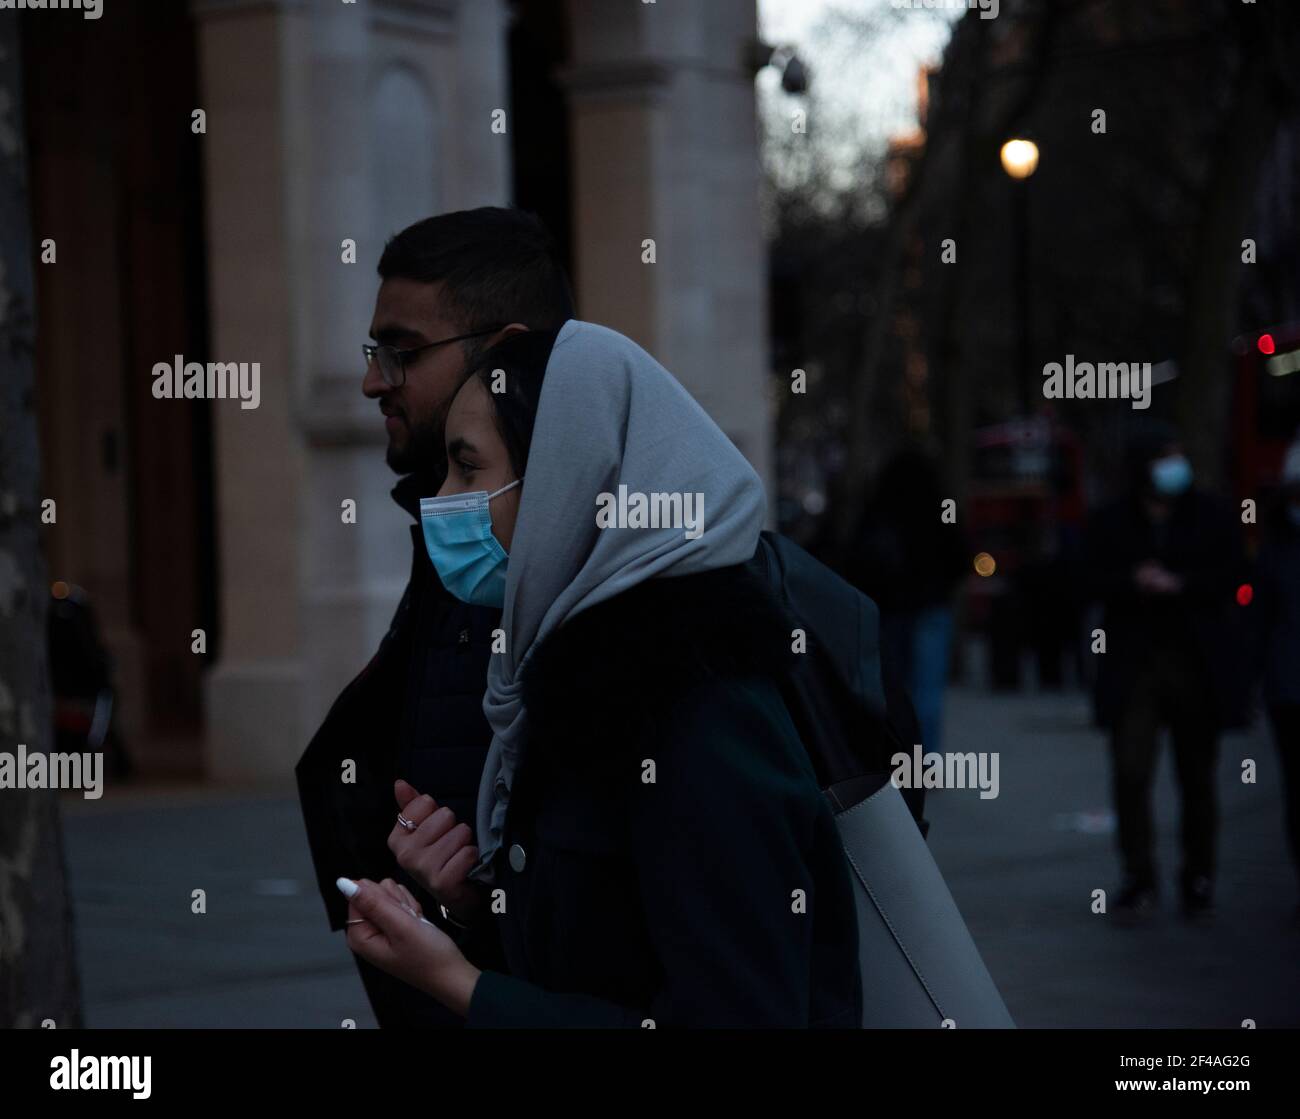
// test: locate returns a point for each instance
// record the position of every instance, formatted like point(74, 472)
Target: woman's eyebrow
point(460, 444)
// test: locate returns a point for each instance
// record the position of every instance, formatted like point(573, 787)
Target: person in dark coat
point(910, 563)
point(451, 285)
point(1165, 562)
point(1277, 605)
point(650, 838)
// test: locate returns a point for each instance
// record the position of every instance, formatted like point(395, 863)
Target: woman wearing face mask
point(651, 841)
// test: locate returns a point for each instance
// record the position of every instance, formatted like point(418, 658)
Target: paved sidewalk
point(262, 955)
point(1022, 867)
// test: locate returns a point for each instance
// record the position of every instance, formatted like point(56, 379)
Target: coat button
point(518, 859)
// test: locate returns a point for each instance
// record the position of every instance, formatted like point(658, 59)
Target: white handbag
point(920, 967)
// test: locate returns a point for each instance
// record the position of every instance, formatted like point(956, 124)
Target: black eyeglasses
point(392, 361)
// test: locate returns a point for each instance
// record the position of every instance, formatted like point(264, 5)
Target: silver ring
point(405, 822)
point(356, 921)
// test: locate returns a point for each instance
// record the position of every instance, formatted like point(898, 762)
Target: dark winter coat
point(667, 852)
point(1201, 626)
point(416, 712)
point(1277, 613)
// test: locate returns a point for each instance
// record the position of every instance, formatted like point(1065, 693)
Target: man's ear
point(504, 332)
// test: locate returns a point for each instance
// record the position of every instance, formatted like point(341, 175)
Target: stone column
point(665, 148)
point(326, 124)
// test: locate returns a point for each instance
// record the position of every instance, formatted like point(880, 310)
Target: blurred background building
point(925, 286)
point(327, 122)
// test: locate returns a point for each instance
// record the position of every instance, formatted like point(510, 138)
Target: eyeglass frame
point(370, 351)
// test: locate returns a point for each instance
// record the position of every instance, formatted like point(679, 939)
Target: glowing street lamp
point(1019, 158)
point(1020, 161)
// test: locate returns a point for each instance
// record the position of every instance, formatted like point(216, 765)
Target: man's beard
point(426, 448)
point(425, 451)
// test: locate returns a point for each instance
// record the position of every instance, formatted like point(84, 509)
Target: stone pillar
point(665, 148)
point(326, 124)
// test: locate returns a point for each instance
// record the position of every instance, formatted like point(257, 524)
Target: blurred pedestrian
point(1277, 603)
point(1164, 560)
point(910, 561)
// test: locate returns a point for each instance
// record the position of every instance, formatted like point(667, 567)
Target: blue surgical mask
point(1171, 475)
point(458, 537)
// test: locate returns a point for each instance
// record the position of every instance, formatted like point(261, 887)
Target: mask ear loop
point(516, 482)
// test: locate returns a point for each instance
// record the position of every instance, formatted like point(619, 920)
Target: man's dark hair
point(522, 358)
point(496, 265)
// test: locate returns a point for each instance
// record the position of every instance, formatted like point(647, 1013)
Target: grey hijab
point(609, 414)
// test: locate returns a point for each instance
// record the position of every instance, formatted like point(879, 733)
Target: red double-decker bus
point(1266, 410)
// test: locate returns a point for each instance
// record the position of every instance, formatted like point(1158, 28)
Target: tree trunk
point(37, 966)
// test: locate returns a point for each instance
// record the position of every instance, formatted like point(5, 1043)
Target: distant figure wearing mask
point(1277, 605)
point(1164, 560)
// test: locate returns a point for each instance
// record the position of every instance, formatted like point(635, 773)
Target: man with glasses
point(451, 286)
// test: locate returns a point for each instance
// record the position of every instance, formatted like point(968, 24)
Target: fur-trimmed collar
point(615, 670)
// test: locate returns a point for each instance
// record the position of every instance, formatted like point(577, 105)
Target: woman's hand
point(438, 852)
point(385, 927)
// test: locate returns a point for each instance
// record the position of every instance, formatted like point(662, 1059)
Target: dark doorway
point(116, 184)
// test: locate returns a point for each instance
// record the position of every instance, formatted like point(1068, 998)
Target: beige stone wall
point(325, 122)
point(666, 149)
point(339, 121)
